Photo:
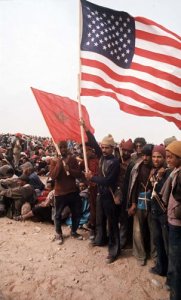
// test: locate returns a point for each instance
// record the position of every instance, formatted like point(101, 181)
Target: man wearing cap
point(126, 165)
point(172, 194)
point(106, 208)
point(169, 140)
point(139, 195)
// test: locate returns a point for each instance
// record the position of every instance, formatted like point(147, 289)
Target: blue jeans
point(175, 261)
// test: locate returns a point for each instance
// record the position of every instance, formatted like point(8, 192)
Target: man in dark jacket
point(106, 208)
point(126, 165)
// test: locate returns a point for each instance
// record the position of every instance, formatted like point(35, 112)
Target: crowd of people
point(130, 194)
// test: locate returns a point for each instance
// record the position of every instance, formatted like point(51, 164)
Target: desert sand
point(32, 267)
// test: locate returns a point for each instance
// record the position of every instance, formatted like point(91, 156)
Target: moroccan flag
point(61, 116)
point(135, 61)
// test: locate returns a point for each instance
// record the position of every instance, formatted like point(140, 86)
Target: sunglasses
point(139, 146)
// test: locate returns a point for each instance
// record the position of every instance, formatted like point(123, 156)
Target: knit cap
point(18, 135)
point(127, 145)
point(147, 149)
point(160, 149)
point(169, 140)
point(108, 140)
point(175, 148)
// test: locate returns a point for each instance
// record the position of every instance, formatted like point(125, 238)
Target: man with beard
point(106, 208)
point(126, 165)
point(139, 195)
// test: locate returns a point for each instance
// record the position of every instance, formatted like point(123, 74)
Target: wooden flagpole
point(78, 93)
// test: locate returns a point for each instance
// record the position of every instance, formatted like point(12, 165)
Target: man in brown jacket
point(64, 170)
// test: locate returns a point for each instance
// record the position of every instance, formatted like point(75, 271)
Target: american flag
point(135, 61)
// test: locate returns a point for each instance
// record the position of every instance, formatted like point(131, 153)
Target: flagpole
point(55, 145)
point(78, 96)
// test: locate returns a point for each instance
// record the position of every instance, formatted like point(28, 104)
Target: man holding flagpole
point(106, 207)
point(64, 170)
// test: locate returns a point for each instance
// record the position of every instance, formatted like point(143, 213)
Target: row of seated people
point(21, 201)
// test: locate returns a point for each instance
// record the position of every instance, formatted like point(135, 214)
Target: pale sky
point(39, 47)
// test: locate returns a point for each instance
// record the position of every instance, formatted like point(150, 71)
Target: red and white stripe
point(152, 84)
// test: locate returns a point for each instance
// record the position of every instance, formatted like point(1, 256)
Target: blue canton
point(108, 32)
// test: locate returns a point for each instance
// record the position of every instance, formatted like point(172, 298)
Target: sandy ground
point(34, 267)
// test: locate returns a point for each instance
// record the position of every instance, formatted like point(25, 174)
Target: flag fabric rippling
point(133, 60)
point(61, 116)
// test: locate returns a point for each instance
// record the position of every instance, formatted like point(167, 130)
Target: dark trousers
point(160, 240)
point(13, 207)
point(43, 213)
point(107, 218)
point(125, 228)
point(74, 202)
point(92, 201)
point(175, 261)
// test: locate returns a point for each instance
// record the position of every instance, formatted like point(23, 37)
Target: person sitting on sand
point(43, 210)
point(15, 197)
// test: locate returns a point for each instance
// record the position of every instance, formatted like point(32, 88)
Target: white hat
point(108, 140)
